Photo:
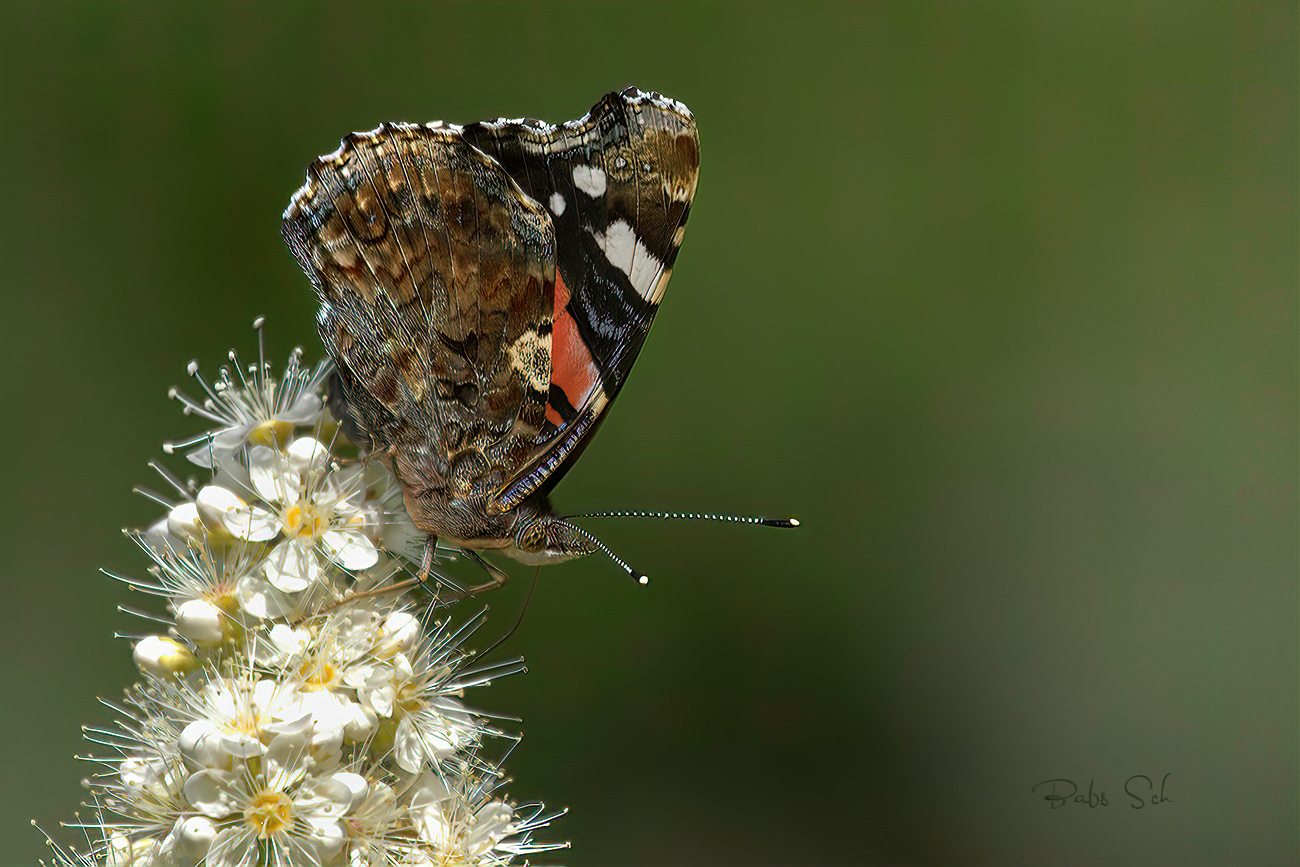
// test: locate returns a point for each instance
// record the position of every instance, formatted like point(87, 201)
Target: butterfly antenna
point(696, 516)
point(632, 573)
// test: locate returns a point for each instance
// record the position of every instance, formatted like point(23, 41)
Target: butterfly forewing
point(618, 185)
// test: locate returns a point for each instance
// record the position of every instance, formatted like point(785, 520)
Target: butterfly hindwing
point(436, 276)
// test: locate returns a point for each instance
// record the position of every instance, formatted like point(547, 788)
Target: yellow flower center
point(409, 698)
point(269, 813)
point(271, 433)
point(317, 675)
point(225, 600)
point(302, 518)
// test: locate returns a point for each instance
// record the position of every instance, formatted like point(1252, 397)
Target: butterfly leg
point(426, 563)
point(527, 599)
point(499, 577)
point(421, 577)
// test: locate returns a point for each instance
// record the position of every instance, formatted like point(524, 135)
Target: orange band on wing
point(573, 370)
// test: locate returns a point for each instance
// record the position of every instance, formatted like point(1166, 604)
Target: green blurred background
point(999, 298)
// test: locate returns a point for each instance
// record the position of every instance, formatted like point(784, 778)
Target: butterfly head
point(540, 537)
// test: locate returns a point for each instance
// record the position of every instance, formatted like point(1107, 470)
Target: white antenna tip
point(643, 580)
point(794, 522)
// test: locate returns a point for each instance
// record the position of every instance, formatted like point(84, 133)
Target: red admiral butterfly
point(484, 293)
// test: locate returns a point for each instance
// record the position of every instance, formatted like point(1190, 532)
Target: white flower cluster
point(296, 711)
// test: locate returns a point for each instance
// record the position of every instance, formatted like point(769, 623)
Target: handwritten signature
point(1139, 787)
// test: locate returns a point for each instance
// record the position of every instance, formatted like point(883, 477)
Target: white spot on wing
point(625, 252)
point(645, 270)
point(590, 180)
point(619, 243)
point(557, 204)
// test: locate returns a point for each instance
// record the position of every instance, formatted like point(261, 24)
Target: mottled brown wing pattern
point(436, 279)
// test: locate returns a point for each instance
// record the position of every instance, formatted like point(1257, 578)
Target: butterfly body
point(484, 292)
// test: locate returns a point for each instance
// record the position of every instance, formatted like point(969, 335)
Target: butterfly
point(485, 290)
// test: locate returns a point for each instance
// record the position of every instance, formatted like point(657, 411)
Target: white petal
point(359, 674)
point(158, 539)
point(271, 475)
point(251, 523)
point(329, 710)
point(434, 827)
point(407, 748)
point(183, 522)
point(194, 836)
point(270, 697)
point(126, 852)
point(135, 773)
point(286, 761)
point(289, 641)
point(380, 801)
point(226, 441)
point(241, 744)
point(401, 663)
point(490, 826)
point(430, 736)
point(201, 746)
point(307, 454)
point(161, 656)
point(233, 847)
point(205, 456)
point(401, 631)
point(360, 724)
point(292, 566)
point(351, 549)
point(381, 699)
point(329, 796)
point(293, 722)
point(257, 597)
point(201, 622)
point(226, 698)
point(358, 787)
point(327, 743)
point(214, 502)
point(431, 790)
point(357, 629)
point(215, 793)
point(305, 410)
point(328, 837)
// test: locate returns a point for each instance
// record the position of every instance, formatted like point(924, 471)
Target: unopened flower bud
point(163, 657)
